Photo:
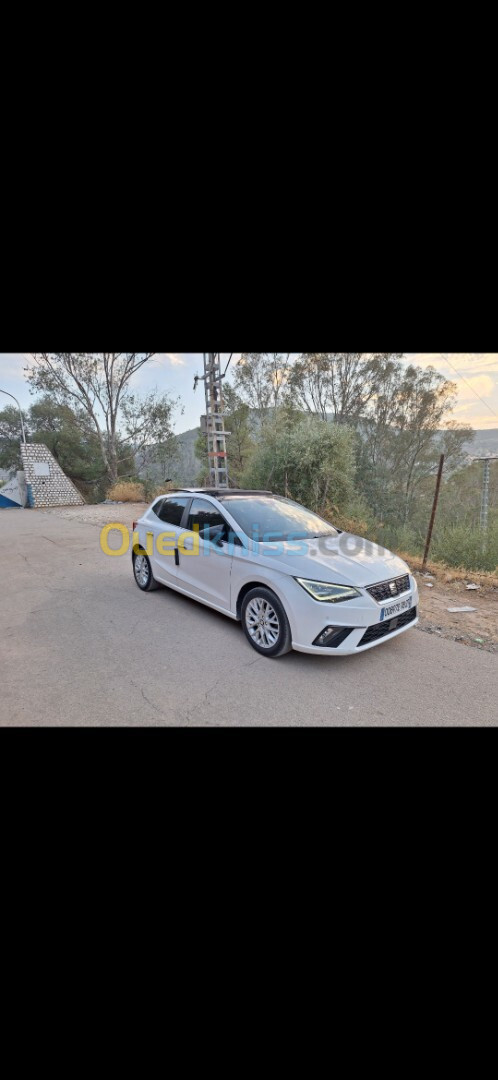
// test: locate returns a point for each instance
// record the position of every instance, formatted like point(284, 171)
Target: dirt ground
point(477, 629)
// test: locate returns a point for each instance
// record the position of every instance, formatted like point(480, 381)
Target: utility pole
point(213, 424)
point(20, 413)
point(485, 496)
point(434, 508)
point(483, 519)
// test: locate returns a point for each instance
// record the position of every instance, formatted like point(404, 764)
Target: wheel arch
point(247, 588)
point(260, 583)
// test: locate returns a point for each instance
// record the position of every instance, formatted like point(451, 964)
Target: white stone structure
point(47, 484)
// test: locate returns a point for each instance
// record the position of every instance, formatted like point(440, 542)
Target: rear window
point(170, 511)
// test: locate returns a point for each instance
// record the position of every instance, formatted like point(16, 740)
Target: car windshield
point(270, 518)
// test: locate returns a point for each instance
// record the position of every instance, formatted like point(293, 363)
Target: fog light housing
point(332, 636)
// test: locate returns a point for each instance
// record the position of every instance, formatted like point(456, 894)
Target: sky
point(475, 374)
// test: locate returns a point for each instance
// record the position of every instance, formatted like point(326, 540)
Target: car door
point(165, 523)
point(205, 564)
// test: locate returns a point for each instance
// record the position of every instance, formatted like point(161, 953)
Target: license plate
point(396, 609)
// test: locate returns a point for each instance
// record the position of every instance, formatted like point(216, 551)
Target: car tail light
point(134, 525)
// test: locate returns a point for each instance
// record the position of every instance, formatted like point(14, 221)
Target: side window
point(157, 507)
point(212, 524)
point(171, 511)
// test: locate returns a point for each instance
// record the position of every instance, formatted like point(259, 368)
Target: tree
point(147, 426)
point(309, 383)
point(337, 385)
point(312, 462)
point(260, 379)
point(10, 439)
point(403, 434)
point(71, 439)
point(240, 443)
point(98, 384)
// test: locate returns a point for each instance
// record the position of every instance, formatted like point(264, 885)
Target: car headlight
point(332, 594)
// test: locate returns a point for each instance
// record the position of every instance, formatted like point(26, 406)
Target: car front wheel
point(265, 623)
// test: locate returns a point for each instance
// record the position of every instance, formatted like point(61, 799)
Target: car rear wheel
point(265, 623)
point(142, 572)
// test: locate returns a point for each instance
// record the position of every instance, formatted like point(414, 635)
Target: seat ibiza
point(290, 577)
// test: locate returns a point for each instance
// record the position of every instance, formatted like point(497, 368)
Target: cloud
point(175, 359)
point(481, 385)
point(480, 422)
point(466, 363)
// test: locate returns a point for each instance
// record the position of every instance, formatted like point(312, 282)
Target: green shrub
point(313, 463)
point(465, 545)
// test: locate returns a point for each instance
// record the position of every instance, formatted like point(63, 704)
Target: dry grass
point(159, 489)
point(448, 574)
point(125, 491)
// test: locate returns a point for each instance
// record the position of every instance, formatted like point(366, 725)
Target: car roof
point(222, 493)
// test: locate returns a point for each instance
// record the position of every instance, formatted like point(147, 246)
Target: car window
point(207, 517)
point(157, 507)
point(275, 518)
point(171, 511)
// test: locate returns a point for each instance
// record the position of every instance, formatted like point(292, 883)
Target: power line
point(469, 385)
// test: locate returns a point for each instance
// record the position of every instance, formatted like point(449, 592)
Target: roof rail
point(219, 492)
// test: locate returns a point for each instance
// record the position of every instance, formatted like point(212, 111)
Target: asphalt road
point(81, 645)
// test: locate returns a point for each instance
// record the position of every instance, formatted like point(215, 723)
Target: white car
point(293, 580)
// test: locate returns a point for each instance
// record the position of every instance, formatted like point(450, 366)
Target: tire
point(272, 637)
point(142, 572)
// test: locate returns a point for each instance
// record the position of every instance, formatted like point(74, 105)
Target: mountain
point(183, 470)
point(186, 470)
point(485, 442)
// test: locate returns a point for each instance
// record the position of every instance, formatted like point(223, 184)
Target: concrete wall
point(53, 488)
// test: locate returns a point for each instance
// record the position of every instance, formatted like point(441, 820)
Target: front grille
point(382, 629)
point(383, 592)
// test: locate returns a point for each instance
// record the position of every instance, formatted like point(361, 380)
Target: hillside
point(485, 442)
point(185, 470)
point(188, 466)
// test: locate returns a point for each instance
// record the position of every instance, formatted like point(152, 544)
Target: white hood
point(343, 560)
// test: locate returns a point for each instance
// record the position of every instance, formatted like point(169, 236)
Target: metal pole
point(483, 518)
point(434, 508)
point(485, 496)
point(20, 413)
point(215, 426)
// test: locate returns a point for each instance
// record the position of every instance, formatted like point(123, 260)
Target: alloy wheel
point(142, 570)
point(262, 622)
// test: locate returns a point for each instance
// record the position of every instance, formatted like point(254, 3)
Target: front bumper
point(309, 619)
